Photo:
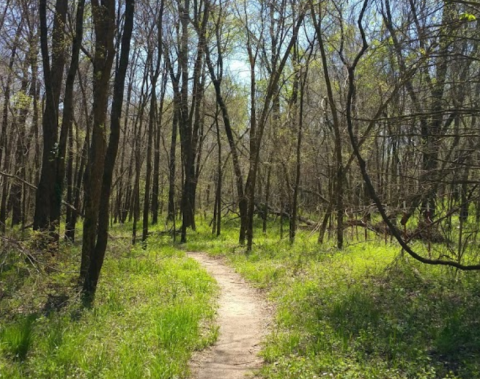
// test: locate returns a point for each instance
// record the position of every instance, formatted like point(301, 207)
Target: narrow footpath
point(242, 319)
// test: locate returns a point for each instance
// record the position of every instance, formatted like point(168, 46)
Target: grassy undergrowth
point(364, 312)
point(153, 308)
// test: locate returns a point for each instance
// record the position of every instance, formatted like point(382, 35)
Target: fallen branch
point(422, 232)
point(15, 177)
point(260, 210)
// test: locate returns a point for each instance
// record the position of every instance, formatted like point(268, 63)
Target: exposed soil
point(243, 316)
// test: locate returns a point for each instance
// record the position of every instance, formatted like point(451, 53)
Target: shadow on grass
point(408, 322)
point(17, 336)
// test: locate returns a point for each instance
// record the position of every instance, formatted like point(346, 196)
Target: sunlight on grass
point(367, 311)
point(152, 310)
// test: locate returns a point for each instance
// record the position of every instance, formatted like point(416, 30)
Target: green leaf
point(467, 17)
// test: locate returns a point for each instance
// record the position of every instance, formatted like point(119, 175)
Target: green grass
point(364, 312)
point(17, 337)
point(153, 308)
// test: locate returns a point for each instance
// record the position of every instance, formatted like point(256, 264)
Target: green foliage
point(42, 242)
point(467, 17)
point(153, 308)
point(17, 337)
point(21, 100)
point(364, 312)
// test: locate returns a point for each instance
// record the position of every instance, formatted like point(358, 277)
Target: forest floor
point(243, 317)
point(365, 312)
point(153, 308)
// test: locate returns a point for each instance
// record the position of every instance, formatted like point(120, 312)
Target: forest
point(326, 153)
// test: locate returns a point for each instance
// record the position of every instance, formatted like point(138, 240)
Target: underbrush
point(364, 312)
point(153, 308)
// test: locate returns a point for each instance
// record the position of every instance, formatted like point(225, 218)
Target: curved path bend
point(242, 319)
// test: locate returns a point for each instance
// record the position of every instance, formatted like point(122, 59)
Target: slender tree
point(46, 196)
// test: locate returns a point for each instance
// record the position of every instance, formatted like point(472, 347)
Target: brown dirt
point(242, 318)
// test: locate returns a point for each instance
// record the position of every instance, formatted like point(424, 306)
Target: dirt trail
point(242, 318)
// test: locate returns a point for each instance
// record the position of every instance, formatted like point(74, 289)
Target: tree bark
point(104, 27)
point(53, 76)
point(156, 158)
point(68, 114)
point(96, 261)
point(339, 174)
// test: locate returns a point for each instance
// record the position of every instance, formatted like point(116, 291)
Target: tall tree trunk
point(218, 192)
point(148, 174)
point(32, 138)
point(267, 195)
point(156, 157)
point(4, 142)
point(96, 261)
point(104, 27)
point(298, 162)
point(137, 159)
point(190, 118)
point(20, 152)
point(217, 81)
point(172, 168)
point(71, 222)
point(121, 201)
point(70, 182)
point(339, 169)
point(81, 174)
point(153, 123)
point(68, 114)
point(257, 126)
point(53, 76)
